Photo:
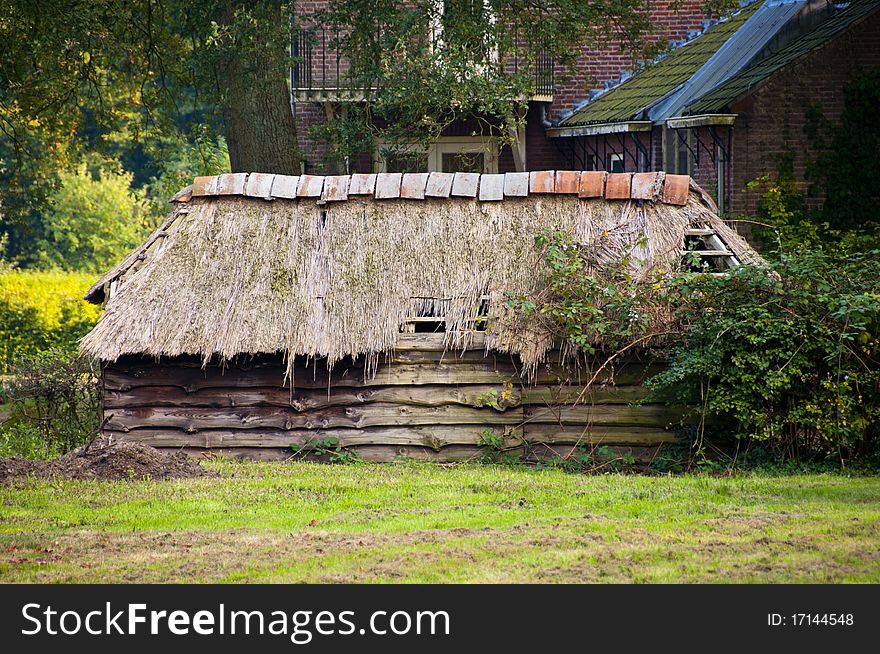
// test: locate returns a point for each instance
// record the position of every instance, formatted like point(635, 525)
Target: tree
point(76, 76)
point(73, 73)
point(423, 64)
point(94, 221)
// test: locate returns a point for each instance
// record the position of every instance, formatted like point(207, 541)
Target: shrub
point(791, 354)
point(94, 220)
point(41, 310)
point(55, 396)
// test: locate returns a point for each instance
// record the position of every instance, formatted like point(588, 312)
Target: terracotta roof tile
point(205, 186)
point(231, 184)
point(259, 185)
point(516, 185)
point(617, 186)
point(592, 184)
point(541, 181)
point(413, 186)
point(566, 181)
point(362, 184)
point(310, 186)
point(183, 195)
point(335, 188)
point(388, 186)
point(439, 185)
point(491, 187)
point(675, 189)
point(654, 186)
point(646, 186)
point(284, 186)
point(466, 184)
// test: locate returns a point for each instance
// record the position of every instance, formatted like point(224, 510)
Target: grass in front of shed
point(305, 522)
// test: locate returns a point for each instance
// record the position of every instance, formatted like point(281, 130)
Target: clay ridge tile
point(647, 187)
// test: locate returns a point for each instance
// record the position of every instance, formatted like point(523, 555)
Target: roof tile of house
point(745, 81)
point(626, 101)
point(648, 186)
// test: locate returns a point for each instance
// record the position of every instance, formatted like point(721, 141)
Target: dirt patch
point(103, 459)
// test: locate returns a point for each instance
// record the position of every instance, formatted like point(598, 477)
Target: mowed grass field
point(304, 522)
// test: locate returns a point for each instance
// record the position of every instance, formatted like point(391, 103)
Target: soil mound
point(105, 459)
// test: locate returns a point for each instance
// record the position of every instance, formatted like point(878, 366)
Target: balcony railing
point(321, 72)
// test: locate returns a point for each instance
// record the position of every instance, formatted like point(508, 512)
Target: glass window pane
point(463, 162)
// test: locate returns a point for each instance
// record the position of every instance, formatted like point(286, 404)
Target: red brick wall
point(671, 20)
point(771, 120)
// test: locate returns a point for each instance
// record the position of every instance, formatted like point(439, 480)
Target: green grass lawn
point(304, 522)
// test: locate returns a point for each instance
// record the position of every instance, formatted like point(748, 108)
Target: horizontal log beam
point(487, 371)
point(434, 437)
point(304, 400)
point(597, 435)
point(648, 415)
point(354, 417)
point(413, 374)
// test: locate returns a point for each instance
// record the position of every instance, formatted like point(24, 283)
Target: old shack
point(272, 311)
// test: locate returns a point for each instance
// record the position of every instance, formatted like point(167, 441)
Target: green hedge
point(40, 310)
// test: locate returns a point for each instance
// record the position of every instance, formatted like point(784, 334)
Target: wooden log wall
point(423, 402)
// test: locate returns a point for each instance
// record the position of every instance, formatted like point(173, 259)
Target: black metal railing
point(319, 66)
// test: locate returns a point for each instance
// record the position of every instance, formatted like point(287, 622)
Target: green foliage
point(201, 154)
point(783, 210)
point(491, 446)
point(584, 303)
point(23, 439)
point(791, 354)
point(325, 449)
point(845, 168)
point(56, 397)
point(424, 64)
point(43, 310)
point(94, 221)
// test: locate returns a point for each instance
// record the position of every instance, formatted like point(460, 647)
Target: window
point(615, 163)
point(448, 154)
point(404, 162)
point(466, 21)
point(678, 158)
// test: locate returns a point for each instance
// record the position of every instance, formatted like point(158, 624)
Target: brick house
point(727, 105)
point(318, 88)
point(727, 99)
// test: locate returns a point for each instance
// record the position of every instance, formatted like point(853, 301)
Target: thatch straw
point(234, 275)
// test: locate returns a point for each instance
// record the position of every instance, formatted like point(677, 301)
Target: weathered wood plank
point(371, 453)
point(648, 415)
point(304, 400)
point(553, 395)
point(434, 437)
point(596, 434)
point(193, 379)
point(354, 417)
point(127, 374)
point(427, 395)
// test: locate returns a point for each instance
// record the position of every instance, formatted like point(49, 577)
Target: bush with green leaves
point(55, 404)
point(787, 355)
point(791, 354)
point(94, 220)
point(42, 310)
point(592, 303)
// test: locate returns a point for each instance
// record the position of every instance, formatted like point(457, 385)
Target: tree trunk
point(260, 129)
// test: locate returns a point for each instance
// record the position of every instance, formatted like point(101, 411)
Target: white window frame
point(487, 146)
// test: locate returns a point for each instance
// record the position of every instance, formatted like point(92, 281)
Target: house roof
point(745, 81)
point(772, 22)
point(331, 267)
point(651, 84)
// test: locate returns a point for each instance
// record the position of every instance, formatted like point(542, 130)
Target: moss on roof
point(626, 101)
point(741, 84)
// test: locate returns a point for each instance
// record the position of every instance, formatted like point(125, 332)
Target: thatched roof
point(331, 267)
